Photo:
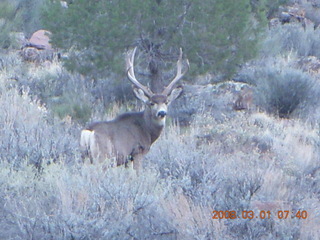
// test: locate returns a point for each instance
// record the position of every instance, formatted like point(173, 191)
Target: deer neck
point(153, 127)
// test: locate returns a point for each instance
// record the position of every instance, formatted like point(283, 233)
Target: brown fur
point(136, 132)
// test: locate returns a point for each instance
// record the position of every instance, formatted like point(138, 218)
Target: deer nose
point(162, 114)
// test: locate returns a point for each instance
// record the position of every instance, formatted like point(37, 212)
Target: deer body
point(129, 137)
point(139, 133)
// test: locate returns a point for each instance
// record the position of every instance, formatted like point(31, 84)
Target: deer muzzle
point(161, 114)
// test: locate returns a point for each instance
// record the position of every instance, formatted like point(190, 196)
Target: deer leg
point(136, 158)
point(128, 160)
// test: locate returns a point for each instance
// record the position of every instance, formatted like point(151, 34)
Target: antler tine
point(131, 75)
point(178, 76)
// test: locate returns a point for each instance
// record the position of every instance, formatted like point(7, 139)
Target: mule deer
point(127, 138)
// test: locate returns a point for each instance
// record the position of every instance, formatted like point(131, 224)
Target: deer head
point(156, 103)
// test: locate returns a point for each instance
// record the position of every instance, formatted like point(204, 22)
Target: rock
point(40, 40)
point(293, 14)
point(274, 22)
point(38, 49)
point(285, 17)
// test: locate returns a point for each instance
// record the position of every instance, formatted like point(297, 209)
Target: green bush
point(18, 16)
point(80, 113)
point(9, 21)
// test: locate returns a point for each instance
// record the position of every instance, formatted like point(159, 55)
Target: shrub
point(188, 174)
point(291, 38)
point(238, 164)
point(29, 133)
point(88, 203)
point(283, 92)
point(72, 103)
point(8, 22)
point(220, 165)
point(280, 89)
point(18, 16)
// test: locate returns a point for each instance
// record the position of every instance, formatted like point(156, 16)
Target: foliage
point(247, 162)
point(69, 108)
point(28, 135)
point(10, 20)
point(216, 36)
point(292, 38)
point(18, 16)
point(284, 91)
point(270, 7)
point(279, 89)
point(27, 126)
point(185, 178)
point(286, 71)
point(31, 16)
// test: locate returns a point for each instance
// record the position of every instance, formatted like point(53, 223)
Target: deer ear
point(140, 94)
point(175, 93)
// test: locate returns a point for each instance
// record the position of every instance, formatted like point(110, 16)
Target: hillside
point(239, 157)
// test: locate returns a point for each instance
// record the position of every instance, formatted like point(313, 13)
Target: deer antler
point(178, 76)
point(130, 73)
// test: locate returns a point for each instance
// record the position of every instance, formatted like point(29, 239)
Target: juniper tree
point(217, 35)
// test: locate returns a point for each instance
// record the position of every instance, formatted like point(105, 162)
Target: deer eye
point(152, 103)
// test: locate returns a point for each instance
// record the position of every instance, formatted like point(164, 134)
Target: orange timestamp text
point(261, 214)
